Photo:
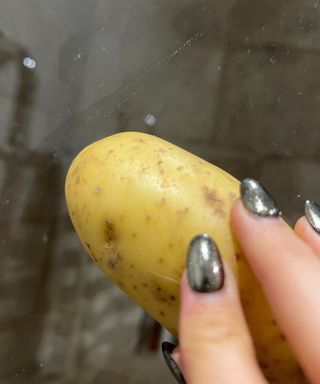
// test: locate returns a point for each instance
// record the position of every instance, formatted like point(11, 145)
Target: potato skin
point(136, 201)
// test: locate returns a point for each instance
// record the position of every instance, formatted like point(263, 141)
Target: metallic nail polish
point(312, 213)
point(204, 265)
point(257, 199)
point(167, 349)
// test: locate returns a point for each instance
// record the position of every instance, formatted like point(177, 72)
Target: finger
point(308, 226)
point(215, 344)
point(288, 270)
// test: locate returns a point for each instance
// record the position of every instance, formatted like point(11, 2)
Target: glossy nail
point(204, 265)
point(257, 199)
point(312, 213)
point(167, 349)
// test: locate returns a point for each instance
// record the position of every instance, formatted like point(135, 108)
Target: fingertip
point(301, 225)
point(306, 233)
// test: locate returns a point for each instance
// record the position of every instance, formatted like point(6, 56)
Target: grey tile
point(270, 103)
point(291, 181)
point(290, 22)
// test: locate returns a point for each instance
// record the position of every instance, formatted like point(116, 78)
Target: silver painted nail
point(257, 199)
point(312, 213)
point(167, 349)
point(205, 269)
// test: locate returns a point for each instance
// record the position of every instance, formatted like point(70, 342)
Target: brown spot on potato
point(132, 266)
point(145, 285)
point(135, 287)
point(232, 196)
point(160, 162)
point(144, 170)
point(161, 313)
point(172, 297)
point(112, 262)
point(88, 245)
point(77, 180)
point(237, 256)
point(214, 201)
point(111, 247)
point(183, 211)
point(98, 189)
point(161, 260)
point(148, 218)
point(133, 235)
point(180, 168)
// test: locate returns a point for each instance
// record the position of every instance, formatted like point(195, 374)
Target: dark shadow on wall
point(28, 226)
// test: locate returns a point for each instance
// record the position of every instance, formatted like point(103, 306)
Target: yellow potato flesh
point(136, 201)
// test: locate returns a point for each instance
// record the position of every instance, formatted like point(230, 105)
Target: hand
point(215, 343)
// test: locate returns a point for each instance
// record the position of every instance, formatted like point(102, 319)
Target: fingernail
point(257, 199)
point(312, 213)
point(167, 349)
point(205, 269)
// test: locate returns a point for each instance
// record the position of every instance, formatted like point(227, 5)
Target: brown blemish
point(162, 201)
point(110, 151)
point(77, 180)
point(211, 195)
point(132, 266)
point(88, 245)
point(138, 140)
point(144, 169)
point(148, 217)
point(183, 211)
point(160, 162)
point(133, 235)
point(170, 245)
point(145, 285)
point(111, 239)
point(180, 168)
point(158, 294)
point(98, 189)
point(161, 313)
point(135, 287)
point(237, 256)
point(273, 322)
point(214, 201)
point(161, 260)
point(120, 284)
point(232, 196)
point(172, 297)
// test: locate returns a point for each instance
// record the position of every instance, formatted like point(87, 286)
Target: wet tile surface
point(235, 82)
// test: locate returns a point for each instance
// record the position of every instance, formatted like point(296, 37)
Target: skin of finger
point(304, 230)
point(215, 344)
point(289, 272)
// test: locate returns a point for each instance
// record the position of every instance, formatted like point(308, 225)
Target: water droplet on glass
point(29, 63)
point(150, 120)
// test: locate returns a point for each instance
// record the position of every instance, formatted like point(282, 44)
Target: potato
point(136, 201)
